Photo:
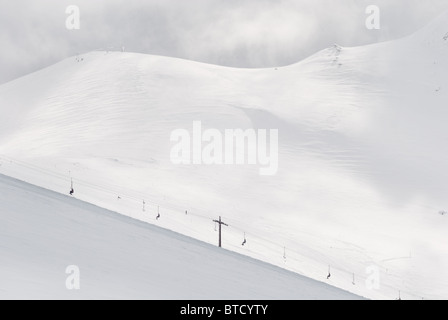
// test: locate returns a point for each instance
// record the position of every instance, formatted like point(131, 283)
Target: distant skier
point(244, 242)
point(158, 216)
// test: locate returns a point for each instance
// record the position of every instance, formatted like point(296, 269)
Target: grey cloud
point(251, 33)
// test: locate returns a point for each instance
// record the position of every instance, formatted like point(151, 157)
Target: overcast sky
point(239, 33)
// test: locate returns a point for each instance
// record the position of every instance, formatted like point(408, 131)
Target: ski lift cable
point(137, 196)
point(104, 189)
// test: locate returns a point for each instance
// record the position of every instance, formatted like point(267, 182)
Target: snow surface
point(44, 232)
point(362, 154)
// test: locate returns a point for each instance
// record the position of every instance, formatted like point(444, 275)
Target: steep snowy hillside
point(45, 235)
point(361, 154)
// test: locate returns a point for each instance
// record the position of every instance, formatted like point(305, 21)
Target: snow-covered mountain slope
point(361, 173)
point(44, 234)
